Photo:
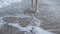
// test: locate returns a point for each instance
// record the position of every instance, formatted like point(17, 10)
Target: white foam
point(35, 29)
point(7, 2)
point(38, 30)
point(15, 25)
point(2, 23)
point(18, 15)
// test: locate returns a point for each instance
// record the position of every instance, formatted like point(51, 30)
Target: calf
point(37, 4)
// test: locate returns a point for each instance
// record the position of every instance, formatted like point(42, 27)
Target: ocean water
point(7, 2)
point(33, 26)
point(35, 21)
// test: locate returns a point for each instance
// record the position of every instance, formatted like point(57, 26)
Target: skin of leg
point(37, 5)
point(32, 5)
point(36, 8)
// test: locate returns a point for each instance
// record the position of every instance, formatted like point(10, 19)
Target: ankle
point(37, 11)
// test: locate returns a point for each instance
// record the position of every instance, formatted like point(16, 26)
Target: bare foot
point(37, 11)
point(33, 10)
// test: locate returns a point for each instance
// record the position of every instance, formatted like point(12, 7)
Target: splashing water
point(32, 26)
point(28, 29)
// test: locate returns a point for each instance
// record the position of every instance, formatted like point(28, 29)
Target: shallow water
point(49, 13)
point(32, 26)
point(34, 23)
point(7, 2)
